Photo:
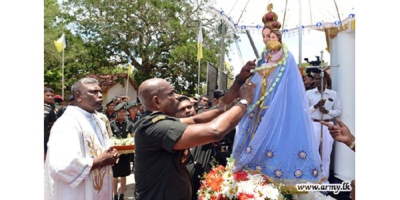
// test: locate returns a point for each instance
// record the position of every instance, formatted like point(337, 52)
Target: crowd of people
point(268, 120)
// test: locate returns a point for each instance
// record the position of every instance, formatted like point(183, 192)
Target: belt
point(325, 120)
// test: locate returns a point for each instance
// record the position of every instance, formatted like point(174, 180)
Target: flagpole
point(222, 56)
point(198, 80)
point(62, 85)
point(207, 89)
point(199, 55)
point(127, 83)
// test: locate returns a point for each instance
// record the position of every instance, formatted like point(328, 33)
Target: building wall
point(118, 89)
point(343, 81)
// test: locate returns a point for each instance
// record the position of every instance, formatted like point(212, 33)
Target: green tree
point(80, 57)
point(158, 37)
point(52, 30)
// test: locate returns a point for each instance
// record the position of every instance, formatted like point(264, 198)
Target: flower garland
point(281, 63)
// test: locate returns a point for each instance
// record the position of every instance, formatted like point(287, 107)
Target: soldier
point(203, 104)
point(223, 148)
point(132, 115)
point(110, 110)
point(204, 99)
point(133, 112)
point(140, 108)
point(218, 96)
point(161, 140)
point(50, 116)
point(49, 106)
point(121, 127)
point(59, 103)
point(199, 161)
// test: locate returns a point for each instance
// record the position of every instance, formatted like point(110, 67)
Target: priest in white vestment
point(79, 157)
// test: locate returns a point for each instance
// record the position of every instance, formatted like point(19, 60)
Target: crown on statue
point(270, 19)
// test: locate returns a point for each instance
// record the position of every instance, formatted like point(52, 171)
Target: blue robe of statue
point(278, 139)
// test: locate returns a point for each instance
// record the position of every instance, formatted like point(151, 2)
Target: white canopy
point(243, 15)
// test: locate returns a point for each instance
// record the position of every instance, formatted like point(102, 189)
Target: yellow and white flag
point(200, 45)
point(60, 43)
point(228, 66)
point(129, 69)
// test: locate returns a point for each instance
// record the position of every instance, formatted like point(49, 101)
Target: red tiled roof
point(108, 80)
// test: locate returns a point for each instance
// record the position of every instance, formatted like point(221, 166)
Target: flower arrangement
point(122, 141)
point(123, 145)
point(221, 183)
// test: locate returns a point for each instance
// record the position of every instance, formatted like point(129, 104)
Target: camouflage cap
point(110, 101)
point(120, 106)
point(131, 104)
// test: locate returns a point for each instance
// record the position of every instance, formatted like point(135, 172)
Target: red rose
point(240, 176)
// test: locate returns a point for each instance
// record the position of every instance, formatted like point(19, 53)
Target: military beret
point(219, 93)
point(120, 106)
point(58, 97)
point(110, 101)
point(131, 104)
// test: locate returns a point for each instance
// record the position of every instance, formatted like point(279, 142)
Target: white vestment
point(72, 145)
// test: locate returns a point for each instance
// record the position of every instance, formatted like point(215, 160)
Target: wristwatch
point(244, 102)
point(237, 79)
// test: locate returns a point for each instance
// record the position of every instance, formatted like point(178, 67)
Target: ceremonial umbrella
point(243, 16)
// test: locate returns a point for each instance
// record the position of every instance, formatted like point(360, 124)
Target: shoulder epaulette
point(158, 118)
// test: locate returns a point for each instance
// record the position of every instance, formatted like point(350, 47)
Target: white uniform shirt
point(332, 103)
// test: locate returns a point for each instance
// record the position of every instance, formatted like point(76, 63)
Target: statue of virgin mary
point(276, 135)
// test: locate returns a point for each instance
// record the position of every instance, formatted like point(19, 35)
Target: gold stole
point(264, 73)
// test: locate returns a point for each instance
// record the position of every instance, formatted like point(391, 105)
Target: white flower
point(228, 176)
point(254, 185)
point(270, 191)
point(229, 191)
